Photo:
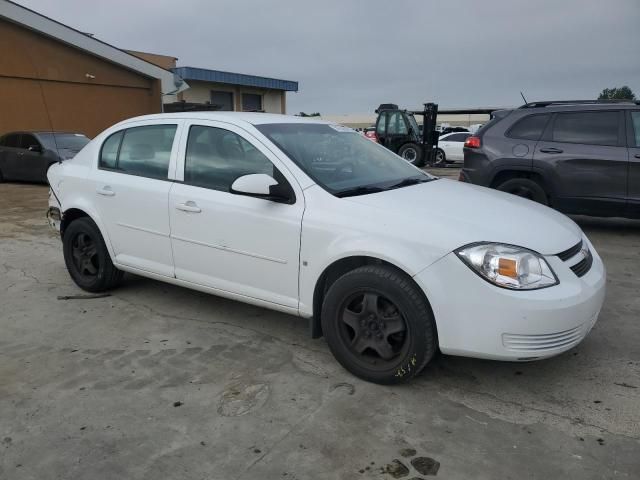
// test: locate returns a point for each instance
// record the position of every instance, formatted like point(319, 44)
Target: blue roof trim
point(204, 75)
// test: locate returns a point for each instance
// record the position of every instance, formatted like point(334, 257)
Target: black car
point(26, 156)
point(579, 157)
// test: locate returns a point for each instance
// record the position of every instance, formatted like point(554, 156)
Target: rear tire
point(440, 157)
point(1, 177)
point(525, 188)
point(87, 258)
point(412, 153)
point(379, 325)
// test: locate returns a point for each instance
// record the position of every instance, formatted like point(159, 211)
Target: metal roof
point(217, 76)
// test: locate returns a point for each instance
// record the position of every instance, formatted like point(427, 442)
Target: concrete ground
point(160, 382)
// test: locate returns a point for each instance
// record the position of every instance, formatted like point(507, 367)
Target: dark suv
point(579, 157)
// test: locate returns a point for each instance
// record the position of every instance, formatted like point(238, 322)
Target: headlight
point(508, 266)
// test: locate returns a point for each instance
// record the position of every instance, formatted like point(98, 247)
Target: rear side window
point(529, 128)
point(12, 140)
point(143, 151)
point(635, 120)
point(456, 137)
point(109, 152)
point(592, 128)
point(215, 158)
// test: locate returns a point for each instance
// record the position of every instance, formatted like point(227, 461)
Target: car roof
point(563, 107)
point(253, 118)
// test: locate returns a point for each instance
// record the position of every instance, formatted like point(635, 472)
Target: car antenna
point(522, 95)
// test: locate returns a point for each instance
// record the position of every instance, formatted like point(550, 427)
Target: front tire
point(87, 258)
point(440, 157)
point(525, 188)
point(412, 153)
point(378, 324)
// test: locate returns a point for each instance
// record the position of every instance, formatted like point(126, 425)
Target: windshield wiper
point(362, 190)
point(408, 182)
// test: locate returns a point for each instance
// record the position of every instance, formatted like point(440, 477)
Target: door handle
point(106, 191)
point(637, 155)
point(189, 206)
point(550, 150)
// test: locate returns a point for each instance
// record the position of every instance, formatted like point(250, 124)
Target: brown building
point(55, 77)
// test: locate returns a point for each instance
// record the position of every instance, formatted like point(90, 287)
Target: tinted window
point(146, 151)
point(456, 137)
point(635, 119)
point(222, 100)
point(215, 158)
point(27, 140)
point(12, 140)
point(109, 152)
point(593, 128)
point(251, 102)
point(529, 128)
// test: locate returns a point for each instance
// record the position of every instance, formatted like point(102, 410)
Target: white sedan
point(311, 218)
point(450, 147)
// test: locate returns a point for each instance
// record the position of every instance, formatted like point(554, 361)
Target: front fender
point(313, 264)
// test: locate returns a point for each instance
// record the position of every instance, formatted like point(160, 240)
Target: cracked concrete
point(88, 387)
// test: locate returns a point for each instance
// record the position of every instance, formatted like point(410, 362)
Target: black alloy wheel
point(85, 255)
point(372, 330)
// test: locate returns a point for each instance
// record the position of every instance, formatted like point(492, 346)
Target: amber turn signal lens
point(507, 267)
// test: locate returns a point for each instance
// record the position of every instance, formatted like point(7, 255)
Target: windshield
point(68, 144)
point(340, 160)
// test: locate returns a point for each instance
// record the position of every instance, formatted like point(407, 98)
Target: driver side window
point(216, 157)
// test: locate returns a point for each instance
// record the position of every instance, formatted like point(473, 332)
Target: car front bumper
point(478, 319)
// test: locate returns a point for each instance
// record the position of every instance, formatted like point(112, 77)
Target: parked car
point(448, 130)
point(26, 156)
point(450, 147)
point(370, 133)
point(579, 157)
point(312, 219)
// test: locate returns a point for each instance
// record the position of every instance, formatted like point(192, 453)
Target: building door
point(223, 101)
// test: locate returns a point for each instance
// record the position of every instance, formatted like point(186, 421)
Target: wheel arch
point(75, 212)
point(509, 173)
point(335, 270)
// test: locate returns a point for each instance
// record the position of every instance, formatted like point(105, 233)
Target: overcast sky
point(349, 56)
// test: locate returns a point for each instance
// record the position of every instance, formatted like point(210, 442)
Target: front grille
point(535, 344)
point(584, 265)
point(571, 252)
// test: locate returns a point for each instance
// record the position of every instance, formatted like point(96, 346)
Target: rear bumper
point(477, 319)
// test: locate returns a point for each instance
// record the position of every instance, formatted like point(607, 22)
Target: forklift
point(398, 131)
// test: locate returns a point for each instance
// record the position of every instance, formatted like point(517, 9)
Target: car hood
point(448, 214)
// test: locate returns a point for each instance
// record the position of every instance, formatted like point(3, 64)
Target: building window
point(222, 101)
point(251, 102)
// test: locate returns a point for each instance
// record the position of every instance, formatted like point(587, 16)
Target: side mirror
point(261, 185)
point(35, 148)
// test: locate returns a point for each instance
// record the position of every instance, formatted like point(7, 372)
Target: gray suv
point(579, 157)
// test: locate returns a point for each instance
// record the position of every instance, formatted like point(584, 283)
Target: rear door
point(633, 184)
point(132, 194)
point(585, 156)
point(452, 146)
point(9, 156)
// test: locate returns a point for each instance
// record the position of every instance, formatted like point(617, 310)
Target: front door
point(233, 243)
point(589, 159)
point(132, 195)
